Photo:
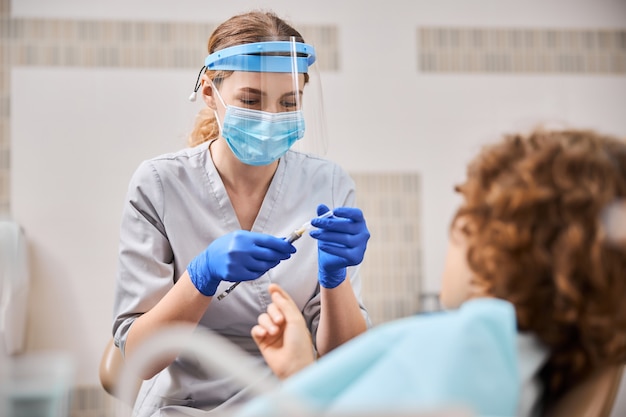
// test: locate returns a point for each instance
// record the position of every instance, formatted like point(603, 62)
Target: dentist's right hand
point(237, 256)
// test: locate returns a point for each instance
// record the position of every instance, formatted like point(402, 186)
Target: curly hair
point(532, 208)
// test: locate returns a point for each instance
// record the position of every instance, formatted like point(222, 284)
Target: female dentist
point(217, 213)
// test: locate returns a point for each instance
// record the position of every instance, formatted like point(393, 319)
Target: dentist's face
point(269, 92)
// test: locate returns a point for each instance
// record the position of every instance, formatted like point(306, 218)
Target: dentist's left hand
point(341, 242)
point(237, 256)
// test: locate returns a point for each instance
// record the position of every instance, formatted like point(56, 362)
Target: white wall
point(77, 137)
point(77, 134)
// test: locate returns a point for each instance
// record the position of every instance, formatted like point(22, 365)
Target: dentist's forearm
point(182, 304)
point(341, 318)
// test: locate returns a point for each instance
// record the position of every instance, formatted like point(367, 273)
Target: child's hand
point(282, 335)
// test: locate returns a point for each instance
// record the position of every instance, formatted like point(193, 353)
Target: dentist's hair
point(250, 27)
point(534, 207)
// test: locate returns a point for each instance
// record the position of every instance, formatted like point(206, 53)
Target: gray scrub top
point(175, 207)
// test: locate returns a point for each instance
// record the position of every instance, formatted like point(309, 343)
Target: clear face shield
point(268, 99)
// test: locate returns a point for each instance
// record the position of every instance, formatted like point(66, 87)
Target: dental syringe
point(293, 236)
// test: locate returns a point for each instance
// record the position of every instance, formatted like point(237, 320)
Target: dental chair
point(594, 397)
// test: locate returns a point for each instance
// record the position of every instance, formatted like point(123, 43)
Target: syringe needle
point(228, 290)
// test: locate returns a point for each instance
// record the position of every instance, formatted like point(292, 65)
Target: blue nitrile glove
point(237, 256)
point(341, 242)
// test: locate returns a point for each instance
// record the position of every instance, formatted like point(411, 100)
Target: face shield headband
point(259, 57)
point(296, 58)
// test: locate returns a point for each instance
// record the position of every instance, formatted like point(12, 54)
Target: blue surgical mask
point(258, 137)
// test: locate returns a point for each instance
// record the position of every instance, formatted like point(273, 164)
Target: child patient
point(531, 233)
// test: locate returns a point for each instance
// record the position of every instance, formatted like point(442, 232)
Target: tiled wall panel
point(519, 50)
point(45, 42)
point(391, 271)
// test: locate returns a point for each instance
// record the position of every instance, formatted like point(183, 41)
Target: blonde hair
point(255, 26)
